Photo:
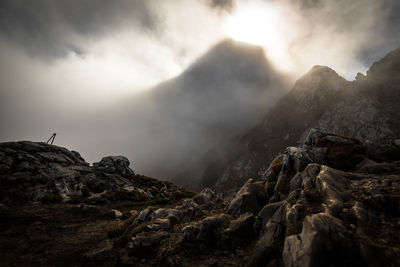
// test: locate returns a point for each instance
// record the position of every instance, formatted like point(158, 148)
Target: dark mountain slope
point(310, 98)
point(366, 108)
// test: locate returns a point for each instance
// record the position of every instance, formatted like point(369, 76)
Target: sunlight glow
point(262, 24)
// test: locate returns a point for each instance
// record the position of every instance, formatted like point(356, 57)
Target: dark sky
point(63, 62)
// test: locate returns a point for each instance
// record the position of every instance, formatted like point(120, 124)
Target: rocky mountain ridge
point(32, 172)
point(365, 108)
point(319, 205)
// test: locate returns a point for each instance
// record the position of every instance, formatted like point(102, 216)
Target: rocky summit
point(331, 201)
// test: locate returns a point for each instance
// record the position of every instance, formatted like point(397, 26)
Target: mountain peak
point(232, 57)
point(388, 67)
point(320, 78)
point(321, 71)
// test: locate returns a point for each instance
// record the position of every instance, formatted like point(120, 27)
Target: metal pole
point(52, 138)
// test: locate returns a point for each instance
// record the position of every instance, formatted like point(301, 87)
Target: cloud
point(226, 5)
point(346, 35)
point(49, 28)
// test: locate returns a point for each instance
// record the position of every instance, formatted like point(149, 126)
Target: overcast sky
point(78, 57)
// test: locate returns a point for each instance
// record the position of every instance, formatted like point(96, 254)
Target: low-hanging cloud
point(346, 35)
point(51, 29)
point(75, 67)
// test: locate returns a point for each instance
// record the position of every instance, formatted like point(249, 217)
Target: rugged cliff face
point(333, 200)
point(365, 108)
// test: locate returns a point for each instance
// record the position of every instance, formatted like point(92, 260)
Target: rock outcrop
point(31, 172)
point(114, 164)
point(324, 203)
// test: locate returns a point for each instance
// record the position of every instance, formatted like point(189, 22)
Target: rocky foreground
point(55, 208)
point(332, 201)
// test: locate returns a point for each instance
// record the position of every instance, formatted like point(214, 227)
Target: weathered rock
point(268, 245)
point(250, 198)
point(323, 241)
point(114, 164)
point(240, 230)
point(211, 227)
point(266, 214)
point(188, 205)
point(206, 195)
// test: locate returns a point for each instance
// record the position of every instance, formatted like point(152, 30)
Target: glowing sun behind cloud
point(262, 24)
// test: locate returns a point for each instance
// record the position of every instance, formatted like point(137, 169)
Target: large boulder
point(240, 230)
point(250, 198)
point(211, 228)
point(114, 164)
point(324, 241)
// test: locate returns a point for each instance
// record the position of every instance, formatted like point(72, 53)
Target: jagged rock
point(266, 214)
point(144, 215)
point(114, 164)
point(209, 228)
point(160, 213)
point(267, 247)
point(323, 241)
point(294, 161)
point(250, 198)
point(206, 195)
point(188, 205)
point(240, 230)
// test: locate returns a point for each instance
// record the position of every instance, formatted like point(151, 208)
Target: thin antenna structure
point(52, 138)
